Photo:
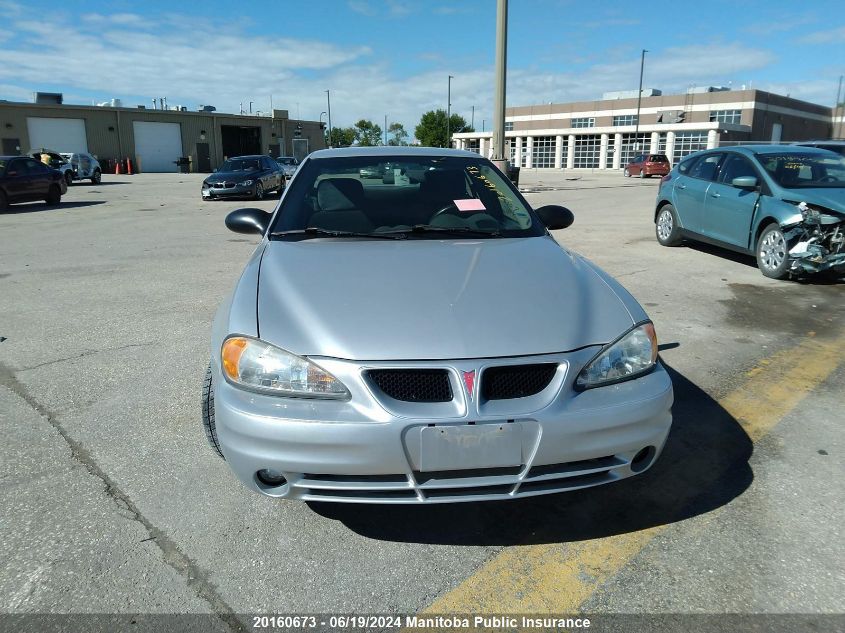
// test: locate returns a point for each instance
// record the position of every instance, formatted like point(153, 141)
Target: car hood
point(232, 176)
point(433, 299)
point(832, 198)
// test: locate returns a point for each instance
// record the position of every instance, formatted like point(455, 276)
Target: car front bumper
point(363, 451)
point(236, 191)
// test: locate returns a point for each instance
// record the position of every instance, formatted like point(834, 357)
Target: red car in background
point(647, 165)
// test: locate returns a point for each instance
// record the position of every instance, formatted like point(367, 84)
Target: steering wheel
point(829, 178)
point(443, 210)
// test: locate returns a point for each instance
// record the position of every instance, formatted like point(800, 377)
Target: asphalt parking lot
point(112, 502)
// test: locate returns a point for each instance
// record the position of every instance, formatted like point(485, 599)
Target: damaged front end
point(817, 241)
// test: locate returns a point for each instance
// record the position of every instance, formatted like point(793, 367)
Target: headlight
point(632, 355)
point(259, 366)
point(246, 183)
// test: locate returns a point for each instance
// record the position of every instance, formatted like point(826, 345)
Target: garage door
point(157, 146)
point(59, 135)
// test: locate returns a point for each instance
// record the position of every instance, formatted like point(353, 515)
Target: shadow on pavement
point(34, 208)
point(704, 466)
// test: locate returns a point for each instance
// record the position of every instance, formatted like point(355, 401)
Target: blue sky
point(393, 57)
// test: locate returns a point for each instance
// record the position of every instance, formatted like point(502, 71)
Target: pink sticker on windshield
point(471, 204)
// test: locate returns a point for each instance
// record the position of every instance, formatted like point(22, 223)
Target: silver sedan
point(426, 340)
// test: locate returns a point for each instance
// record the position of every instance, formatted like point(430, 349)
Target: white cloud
point(825, 37)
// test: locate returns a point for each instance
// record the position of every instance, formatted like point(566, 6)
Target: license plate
point(470, 446)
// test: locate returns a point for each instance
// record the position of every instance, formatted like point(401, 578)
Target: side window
point(16, 166)
point(33, 167)
point(736, 166)
point(707, 167)
point(685, 165)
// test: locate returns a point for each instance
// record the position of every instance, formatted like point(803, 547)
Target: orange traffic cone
point(128, 166)
point(116, 167)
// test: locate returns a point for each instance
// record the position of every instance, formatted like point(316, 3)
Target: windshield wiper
point(313, 230)
point(427, 228)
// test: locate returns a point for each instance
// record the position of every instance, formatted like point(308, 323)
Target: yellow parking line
point(559, 577)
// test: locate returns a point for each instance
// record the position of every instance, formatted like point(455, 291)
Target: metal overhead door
point(157, 146)
point(59, 135)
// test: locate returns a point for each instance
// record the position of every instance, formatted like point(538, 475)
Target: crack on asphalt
point(90, 352)
point(195, 577)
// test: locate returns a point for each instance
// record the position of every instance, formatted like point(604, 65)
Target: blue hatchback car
point(783, 204)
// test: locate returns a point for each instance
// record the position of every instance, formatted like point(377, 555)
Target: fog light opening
point(643, 459)
point(271, 478)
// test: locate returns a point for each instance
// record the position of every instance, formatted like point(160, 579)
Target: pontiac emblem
point(469, 381)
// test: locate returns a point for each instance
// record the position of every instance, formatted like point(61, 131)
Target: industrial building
point(606, 134)
point(153, 139)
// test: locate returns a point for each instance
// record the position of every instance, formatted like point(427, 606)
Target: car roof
point(248, 156)
point(391, 150)
point(771, 148)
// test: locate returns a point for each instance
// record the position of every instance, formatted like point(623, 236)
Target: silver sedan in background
point(426, 340)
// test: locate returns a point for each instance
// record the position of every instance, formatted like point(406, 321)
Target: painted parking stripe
point(559, 577)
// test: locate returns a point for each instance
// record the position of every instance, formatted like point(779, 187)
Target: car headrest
point(445, 184)
point(339, 194)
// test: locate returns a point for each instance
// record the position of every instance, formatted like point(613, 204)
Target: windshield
point(286, 161)
point(795, 170)
point(240, 164)
point(420, 197)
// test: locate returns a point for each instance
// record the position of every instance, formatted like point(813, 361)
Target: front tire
point(4, 203)
point(69, 178)
point(97, 177)
point(208, 413)
point(773, 253)
point(626, 173)
point(666, 226)
point(259, 191)
point(54, 195)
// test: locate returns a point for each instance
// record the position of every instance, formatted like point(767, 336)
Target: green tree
point(431, 131)
point(397, 134)
point(367, 133)
point(343, 136)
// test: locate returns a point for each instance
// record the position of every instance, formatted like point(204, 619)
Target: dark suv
point(647, 165)
point(23, 179)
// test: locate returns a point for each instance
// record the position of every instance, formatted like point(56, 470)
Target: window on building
point(508, 126)
point(726, 116)
point(625, 119)
point(473, 145)
point(544, 152)
point(633, 144)
point(688, 142)
point(584, 122)
point(586, 150)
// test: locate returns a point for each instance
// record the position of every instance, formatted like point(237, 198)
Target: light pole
point(639, 100)
point(250, 107)
point(472, 119)
point(449, 112)
point(499, 94)
point(321, 120)
point(329, 108)
point(385, 129)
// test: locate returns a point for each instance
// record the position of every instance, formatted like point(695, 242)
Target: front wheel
point(208, 413)
point(97, 177)
point(259, 191)
point(54, 195)
point(4, 203)
point(627, 173)
point(666, 227)
point(69, 178)
point(773, 253)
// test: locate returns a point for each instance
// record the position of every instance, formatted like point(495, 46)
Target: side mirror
point(744, 182)
point(248, 221)
point(555, 217)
